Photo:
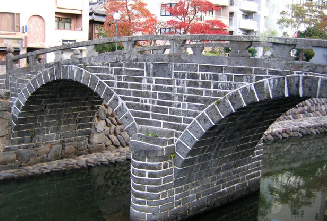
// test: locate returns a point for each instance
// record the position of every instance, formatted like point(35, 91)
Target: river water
point(297, 191)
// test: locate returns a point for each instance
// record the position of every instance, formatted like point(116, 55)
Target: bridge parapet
point(194, 120)
point(236, 46)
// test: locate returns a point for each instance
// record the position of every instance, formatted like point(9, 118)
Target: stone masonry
point(193, 120)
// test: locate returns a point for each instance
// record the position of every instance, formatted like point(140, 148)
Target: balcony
point(249, 6)
point(248, 24)
point(71, 4)
point(220, 2)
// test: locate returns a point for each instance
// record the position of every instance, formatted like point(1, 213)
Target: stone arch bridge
point(194, 120)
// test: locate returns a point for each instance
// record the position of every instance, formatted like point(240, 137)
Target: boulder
point(126, 137)
point(23, 155)
point(97, 138)
point(114, 140)
point(102, 113)
point(7, 157)
point(55, 152)
point(99, 126)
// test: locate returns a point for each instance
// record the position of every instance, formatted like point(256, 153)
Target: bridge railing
point(226, 45)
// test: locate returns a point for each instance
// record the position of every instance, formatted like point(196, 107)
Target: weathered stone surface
point(107, 141)
point(117, 130)
point(114, 140)
point(119, 122)
point(7, 157)
point(108, 122)
point(4, 126)
point(97, 138)
point(4, 94)
point(4, 105)
point(96, 148)
point(109, 111)
point(113, 120)
point(100, 126)
point(102, 113)
point(23, 155)
point(126, 137)
point(55, 152)
point(69, 151)
point(121, 140)
point(42, 150)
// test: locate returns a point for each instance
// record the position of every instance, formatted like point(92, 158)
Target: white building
point(158, 9)
point(35, 24)
point(248, 17)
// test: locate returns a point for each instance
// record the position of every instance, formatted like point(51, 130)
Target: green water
point(103, 193)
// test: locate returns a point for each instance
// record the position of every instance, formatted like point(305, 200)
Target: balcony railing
point(249, 6)
point(220, 2)
point(248, 24)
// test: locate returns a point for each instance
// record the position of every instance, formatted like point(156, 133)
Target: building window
point(63, 23)
point(248, 16)
point(98, 31)
point(165, 30)
point(163, 9)
point(210, 13)
point(9, 21)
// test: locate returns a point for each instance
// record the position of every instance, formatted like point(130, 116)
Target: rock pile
point(84, 161)
point(307, 118)
point(315, 107)
point(108, 132)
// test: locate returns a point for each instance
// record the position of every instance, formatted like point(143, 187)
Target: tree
point(187, 18)
point(135, 18)
point(304, 15)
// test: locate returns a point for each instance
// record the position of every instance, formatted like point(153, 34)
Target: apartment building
point(158, 8)
point(36, 24)
point(247, 17)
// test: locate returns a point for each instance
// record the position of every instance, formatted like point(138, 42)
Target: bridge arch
point(59, 104)
point(216, 156)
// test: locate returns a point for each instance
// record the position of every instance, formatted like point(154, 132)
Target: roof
point(97, 12)
point(99, 18)
point(97, 8)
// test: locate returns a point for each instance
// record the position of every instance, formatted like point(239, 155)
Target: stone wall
point(56, 126)
point(293, 153)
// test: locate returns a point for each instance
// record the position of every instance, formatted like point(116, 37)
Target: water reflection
point(101, 193)
point(296, 194)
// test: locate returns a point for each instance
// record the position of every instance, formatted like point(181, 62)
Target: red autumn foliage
point(187, 18)
point(135, 18)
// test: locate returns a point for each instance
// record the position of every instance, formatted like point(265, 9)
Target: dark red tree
point(188, 18)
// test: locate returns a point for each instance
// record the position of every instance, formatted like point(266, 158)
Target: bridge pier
point(152, 174)
point(194, 120)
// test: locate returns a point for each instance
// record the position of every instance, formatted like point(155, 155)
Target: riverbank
point(308, 118)
point(84, 161)
point(290, 129)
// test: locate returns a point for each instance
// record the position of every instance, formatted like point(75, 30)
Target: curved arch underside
point(217, 156)
point(59, 111)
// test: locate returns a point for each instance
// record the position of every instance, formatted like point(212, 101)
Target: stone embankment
point(307, 118)
point(84, 161)
point(107, 134)
point(109, 141)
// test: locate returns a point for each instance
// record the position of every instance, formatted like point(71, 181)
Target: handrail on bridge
point(273, 47)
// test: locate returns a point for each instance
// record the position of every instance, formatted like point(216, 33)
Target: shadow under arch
point(59, 103)
point(216, 155)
